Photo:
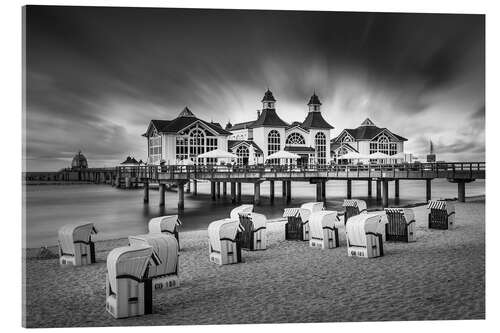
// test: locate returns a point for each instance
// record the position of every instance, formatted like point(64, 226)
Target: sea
point(119, 213)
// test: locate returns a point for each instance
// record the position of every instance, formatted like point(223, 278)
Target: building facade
point(366, 139)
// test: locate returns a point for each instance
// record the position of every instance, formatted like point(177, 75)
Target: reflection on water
point(119, 213)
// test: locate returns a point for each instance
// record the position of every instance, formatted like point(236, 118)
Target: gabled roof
point(179, 123)
point(239, 126)
point(315, 120)
point(186, 113)
point(367, 131)
point(268, 118)
point(233, 143)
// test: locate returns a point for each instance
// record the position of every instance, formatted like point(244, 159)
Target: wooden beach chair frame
point(229, 247)
point(155, 226)
point(83, 248)
point(329, 237)
point(352, 208)
point(398, 229)
point(295, 227)
point(251, 238)
point(441, 214)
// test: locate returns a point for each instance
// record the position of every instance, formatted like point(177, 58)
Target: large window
point(273, 142)
point(295, 139)
point(243, 154)
point(320, 141)
point(383, 145)
point(155, 149)
point(181, 148)
point(196, 142)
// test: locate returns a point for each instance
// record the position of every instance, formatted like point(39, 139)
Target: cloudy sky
point(96, 76)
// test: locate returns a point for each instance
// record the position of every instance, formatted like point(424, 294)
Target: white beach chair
point(128, 290)
point(324, 233)
point(441, 214)
point(297, 227)
point(224, 243)
point(313, 206)
point(353, 207)
point(400, 225)
point(254, 235)
point(239, 210)
point(75, 244)
point(364, 234)
point(168, 224)
point(165, 275)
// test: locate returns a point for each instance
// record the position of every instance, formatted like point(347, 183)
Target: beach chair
point(128, 289)
point(254, 236)
point(168, 224)
point(313, 206)
point(75, 244)
point(353, 207)
point(224, 241)
point(364, 235)
point(441, 214)
point(164, 275)
point(324, 233)
point(296, 227)
point(234, 215)
point(400, 225)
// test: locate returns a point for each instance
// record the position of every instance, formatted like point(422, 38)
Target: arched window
point(295, 139)
point(193, 142)
point(273, 142)
point(320, 142)
point(196, 142)
point(347, 138)
point(243, 154)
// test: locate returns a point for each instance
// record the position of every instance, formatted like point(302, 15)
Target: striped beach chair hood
point(166, 223)
point(225, 229)
point(324, 219)
point(70, 234)
point(360, 204)
point(165, 246)
point(407, 212)
point(357, 227)
point(297, 212)
point(240, 209)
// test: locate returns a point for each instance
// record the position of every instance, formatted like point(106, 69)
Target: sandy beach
point(441, 276)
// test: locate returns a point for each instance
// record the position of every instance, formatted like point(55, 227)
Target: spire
point(268, 100)
point(186, 113)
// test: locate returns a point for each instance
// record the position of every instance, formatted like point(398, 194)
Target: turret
point(268, 100)
point(314, 103)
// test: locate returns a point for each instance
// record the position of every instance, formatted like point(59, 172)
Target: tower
point(268, 100)
point(314, 103)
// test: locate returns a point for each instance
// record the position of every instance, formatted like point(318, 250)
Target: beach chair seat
point(324, 233)
point(441, 214)
point(75, 244)
point(224, 241)
point(235, 212)
point(128, 289)
point(364, 235)
point(296, 227)
point(165, 275)
point(353, 207)
point(253, 236)
point(168, 224)
point(400, 225)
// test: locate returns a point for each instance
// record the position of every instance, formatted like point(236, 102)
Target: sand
point(441, 276)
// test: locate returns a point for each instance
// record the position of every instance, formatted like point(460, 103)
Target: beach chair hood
point(239, 210)
point(297, 212)
point(361, 204)
point(258, 220)
point(225, 229)
point(70, 234)
point(357, 227)
point(407, 212)
point(166, 223)
point(449, 206)
point(165, 246)
point(129, 262)
point(313, 206)
point(320, 220)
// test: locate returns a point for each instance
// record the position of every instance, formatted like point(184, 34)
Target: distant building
point(431, 157)
point(79, 161)
point(367, 139)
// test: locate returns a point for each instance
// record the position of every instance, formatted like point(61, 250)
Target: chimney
point(258, 114)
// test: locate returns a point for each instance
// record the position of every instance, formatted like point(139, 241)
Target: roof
point(315, 120)
point(296, 149)
point(186, 113)
point(270, 118)
point(174, 126)
point(239, 126)
point(130, 160)
point(233, 143)
point(268, 96)
point(314, 100)
point(367, 131)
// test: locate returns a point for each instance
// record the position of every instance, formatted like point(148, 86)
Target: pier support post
point(162, 189)
point(318, 192)
point(256, 193)
point(288, 191)
point(218, 189)
point(188, 186)
point(283, 188)
point(323, 190)
point(379, 191)
point(349, 189)
point(233, 192)
point(224, 189)
point(238, 192)
point(385, 193)
point(146, 191)
point(428, 189)
point(271, 191)
point(369, 188)
point(396, 188)
point(180, 191)
point(461, 191)
point(128, 182)
point(212, 190)
point(195, 187)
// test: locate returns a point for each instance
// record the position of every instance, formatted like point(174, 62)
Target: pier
point(384, 175)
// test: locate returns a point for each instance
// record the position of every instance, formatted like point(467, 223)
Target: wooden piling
point(369, 188)
point(256, 193)
point(224, 189)
point(218, 189)
point(283, 188)
point(146, 191)
point(162, 189)
point(180, 191)
point(379, 190)
point(385, 193)
point(233, 192)
point(461, 191)
point(323, 191)
point(238, 192)
point(396, 188)
point(428, 189)
point(349, 189)
point(271, 191)
point(188, 186)
point(195, 187)
point(318, 191)
point(288, 191)
point(212, 190)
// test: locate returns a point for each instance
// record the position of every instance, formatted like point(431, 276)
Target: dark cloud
point(98, 75)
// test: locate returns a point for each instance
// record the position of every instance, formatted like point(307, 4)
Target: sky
point(95, 77)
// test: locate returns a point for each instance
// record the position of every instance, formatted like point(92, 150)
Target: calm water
point(120, 213)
